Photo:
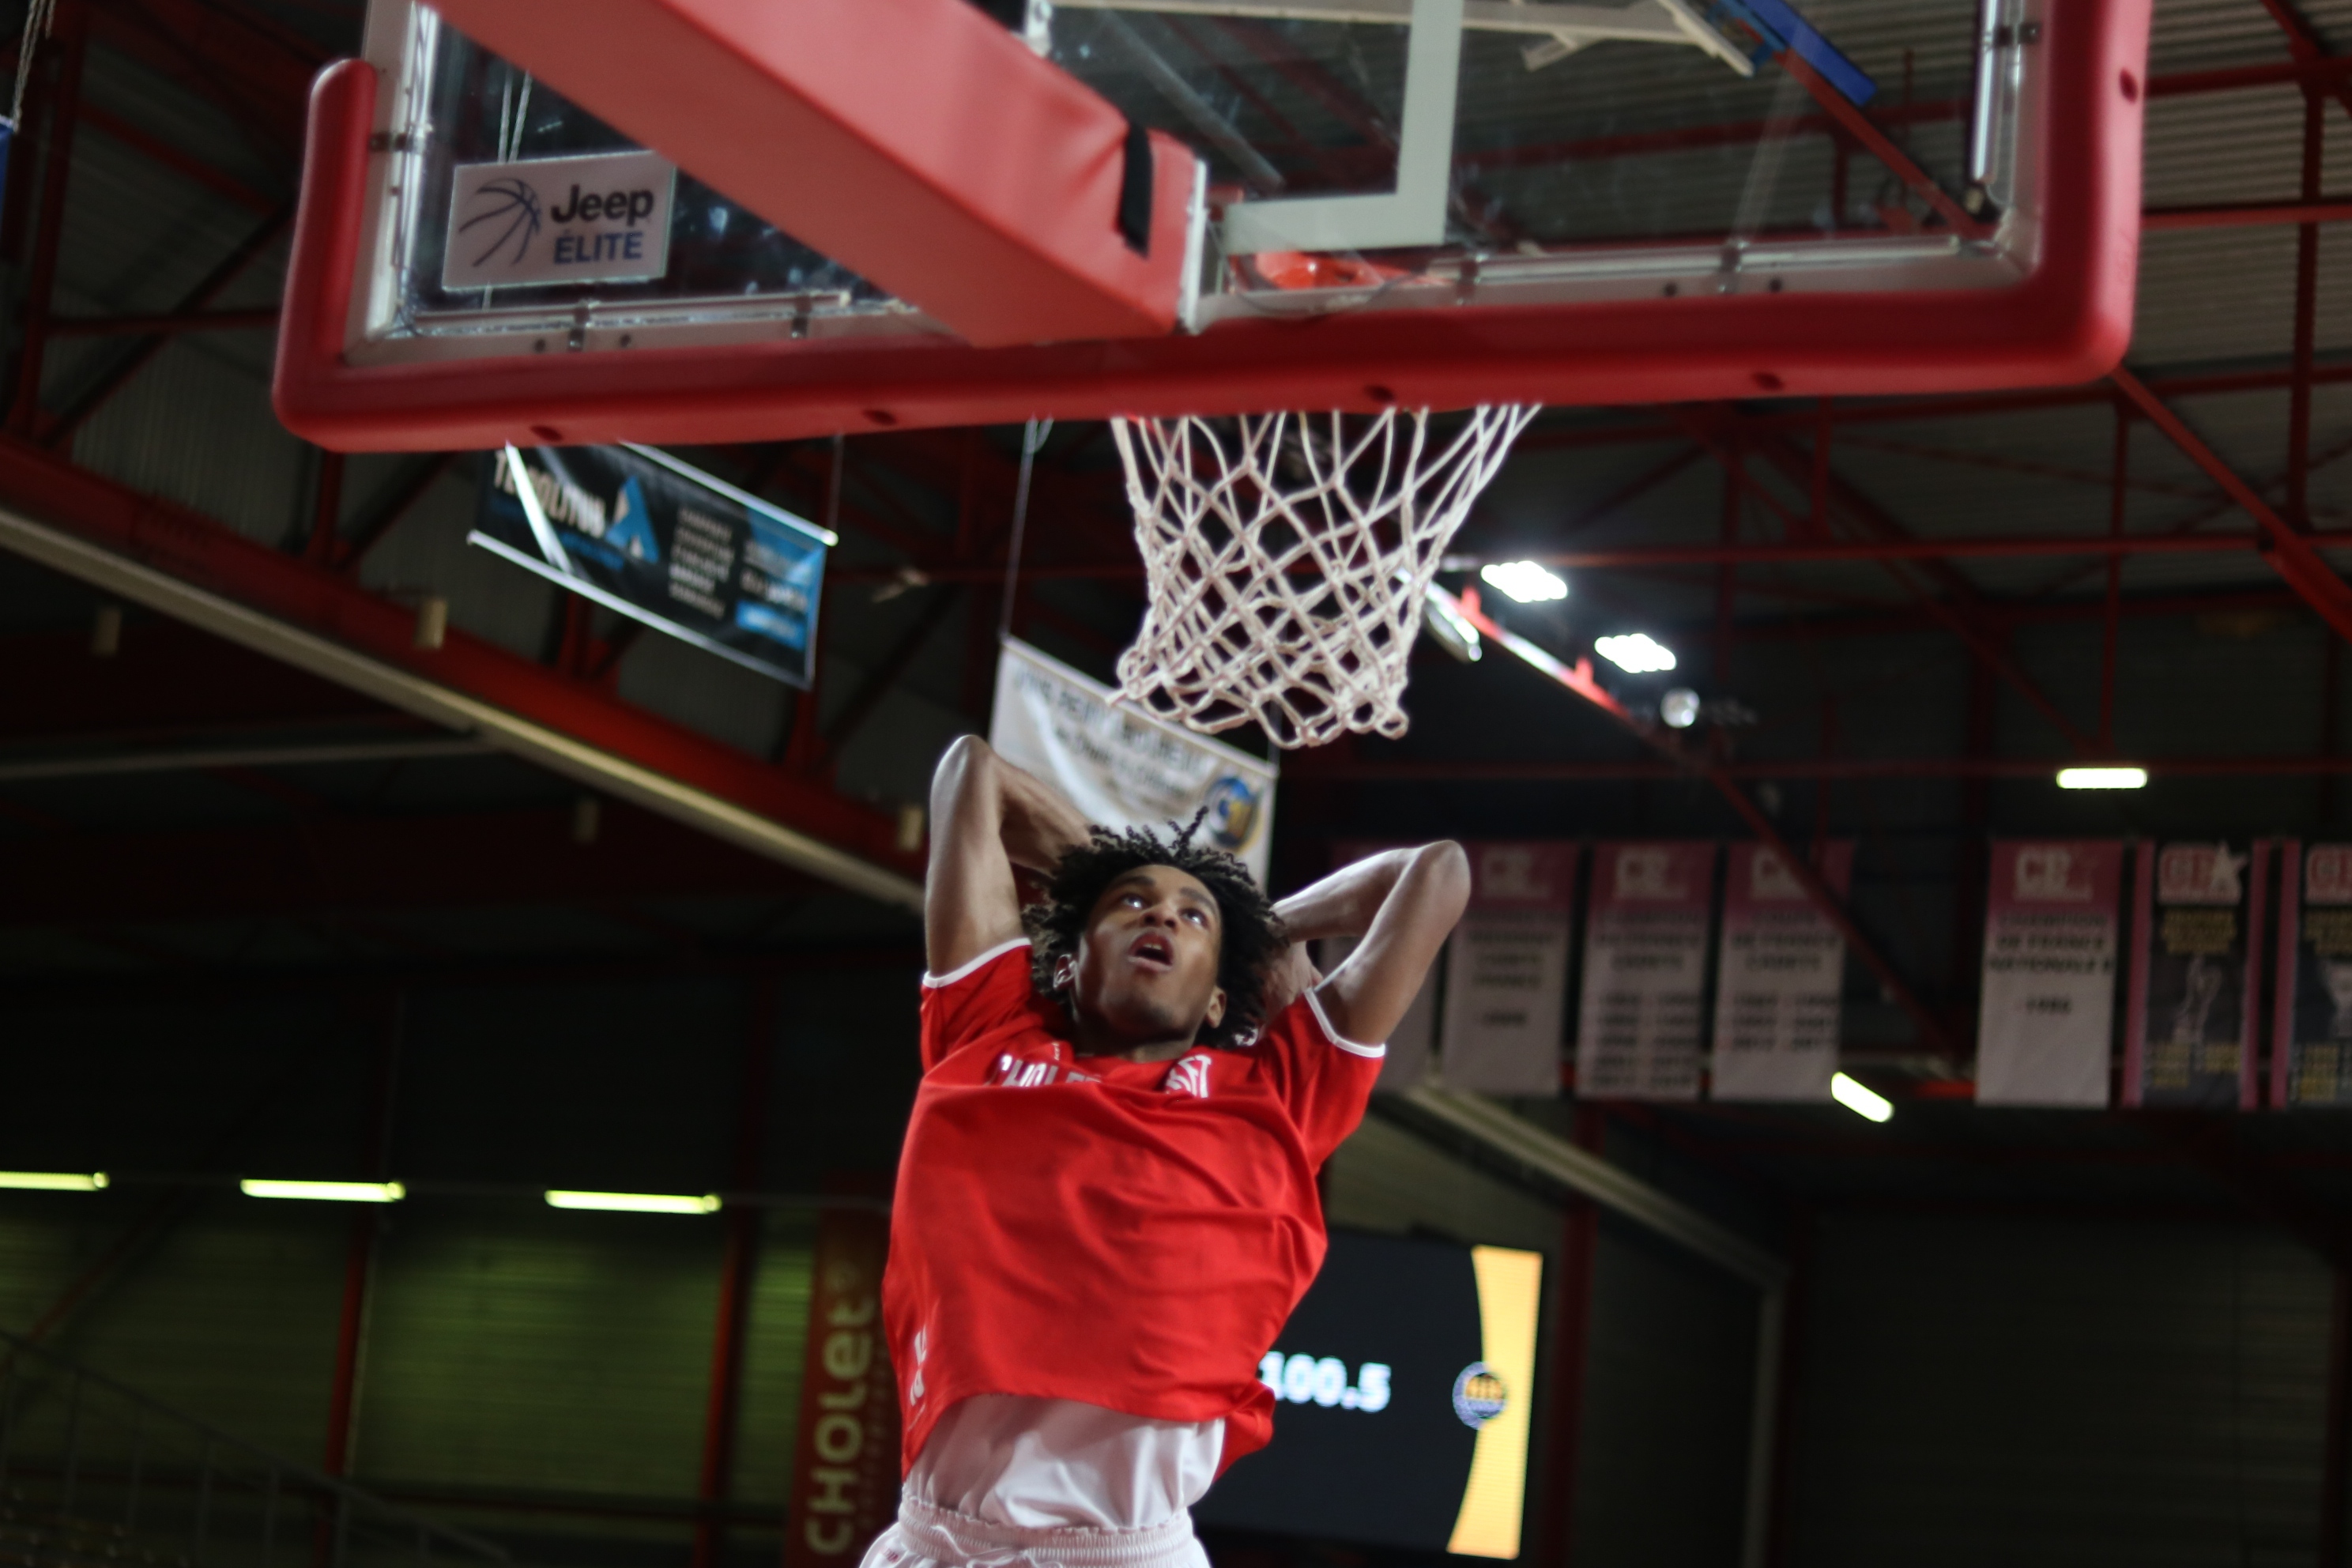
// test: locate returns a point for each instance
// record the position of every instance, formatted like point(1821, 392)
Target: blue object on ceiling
point(1780, 28)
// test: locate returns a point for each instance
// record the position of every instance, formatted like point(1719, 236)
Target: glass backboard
point(1433, 202)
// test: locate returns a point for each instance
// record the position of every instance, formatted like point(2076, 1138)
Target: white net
point(1288, 556)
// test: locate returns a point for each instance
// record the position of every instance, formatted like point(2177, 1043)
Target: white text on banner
point(2197, 927)
point(1123, 768)
point(1507, 971)
point(1777, 978)
point(2310, 1040)
point(1637, 1034)
point(2047, 1016)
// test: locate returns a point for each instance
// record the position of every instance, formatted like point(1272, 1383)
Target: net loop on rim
point(1287, 558)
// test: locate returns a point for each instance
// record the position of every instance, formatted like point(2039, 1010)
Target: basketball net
point(1288, 556)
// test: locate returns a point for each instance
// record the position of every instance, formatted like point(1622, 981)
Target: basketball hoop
point(1288, 556)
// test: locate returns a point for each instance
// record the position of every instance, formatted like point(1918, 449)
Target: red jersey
point(1130, 1235)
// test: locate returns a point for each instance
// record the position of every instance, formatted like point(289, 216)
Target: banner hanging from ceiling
point(1505, 1007)
point(645, 535)
point(2311, 1021)
point(1779, 973)
point(2045, 1024)
point(1125, 768)
point(844, 1486)
point(1638, 1027)
point(2189, 1037)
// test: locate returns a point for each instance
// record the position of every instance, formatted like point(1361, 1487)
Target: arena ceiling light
point(53, 1181)
point(327, 1191)
point(1635, 653)
point(1679, 708)
point(636, 1203)
point(1866, 1103)
point(2102, 778)
point(1524, 581)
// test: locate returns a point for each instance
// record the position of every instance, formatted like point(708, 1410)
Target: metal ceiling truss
point(185, 565)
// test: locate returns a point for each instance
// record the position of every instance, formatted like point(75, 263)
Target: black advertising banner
point(1403, 1401)
point(2311, 1030)
point(640, 532)
point(2197, 925)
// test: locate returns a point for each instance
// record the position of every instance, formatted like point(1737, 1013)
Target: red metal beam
point(1311, 764)
point(255, 69)
point(174, 157)
point(1980, 548)
point(2291, 552)
point(358, 1264)
point(738, 1272)
point(324, 865)
point(196, 567)
point(2303, 41)
point(1571, 1316)
point(1865, 133)
point(1962, 613)
point(58, 430)
point(1579, 682)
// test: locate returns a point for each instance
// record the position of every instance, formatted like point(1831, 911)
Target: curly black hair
point(1252, 934)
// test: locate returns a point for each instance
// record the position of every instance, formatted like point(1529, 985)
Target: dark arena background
point(475, 938)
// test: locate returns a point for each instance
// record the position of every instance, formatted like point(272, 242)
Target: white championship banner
point(2311, 1037)
point(2047, 1016)
point(2196, 984)
point(1637, 1032)
point(1507, 971)
point(1124, 768)
point(1777, 978)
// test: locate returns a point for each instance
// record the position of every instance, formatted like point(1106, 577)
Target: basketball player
point(1107, 1205)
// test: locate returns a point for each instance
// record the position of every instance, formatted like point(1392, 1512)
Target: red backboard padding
point(915, 141)
point(2069, 320)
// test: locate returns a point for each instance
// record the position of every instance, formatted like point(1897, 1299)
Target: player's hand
point(1290, 976)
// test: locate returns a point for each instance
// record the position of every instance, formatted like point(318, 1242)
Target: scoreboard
point(1404, 1392)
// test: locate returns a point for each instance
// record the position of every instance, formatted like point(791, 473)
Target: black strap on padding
point(1135, 191)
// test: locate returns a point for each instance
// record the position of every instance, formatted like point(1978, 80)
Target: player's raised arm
point(1404, 904)
point(987, 817)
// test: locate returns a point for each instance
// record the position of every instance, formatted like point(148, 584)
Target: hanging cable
point(39, 16)
point(1033, 441)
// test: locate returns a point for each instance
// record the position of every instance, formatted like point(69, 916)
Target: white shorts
point(1050, 1483)
point(930, 1537)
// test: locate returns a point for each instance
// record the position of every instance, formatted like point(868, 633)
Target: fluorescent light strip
point(1635, 653)
point(636, 1202)
point(327, 1191)
point(53, 1181)
point(2102, 778)
point(1868, 1104)
point(1524, 581)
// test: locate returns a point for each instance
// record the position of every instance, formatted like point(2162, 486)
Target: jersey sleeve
point(1324, 1081)
point(987, 994)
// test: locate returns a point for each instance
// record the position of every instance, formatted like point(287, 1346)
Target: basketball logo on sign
point(1479, 1395)
point(515, 200)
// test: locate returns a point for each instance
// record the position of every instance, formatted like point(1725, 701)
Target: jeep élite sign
point(599, 219)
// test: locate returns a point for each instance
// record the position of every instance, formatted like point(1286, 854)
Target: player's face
point(1147, 968)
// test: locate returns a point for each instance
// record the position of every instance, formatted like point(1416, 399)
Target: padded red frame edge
point(915, 141)
point(2070, 321)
